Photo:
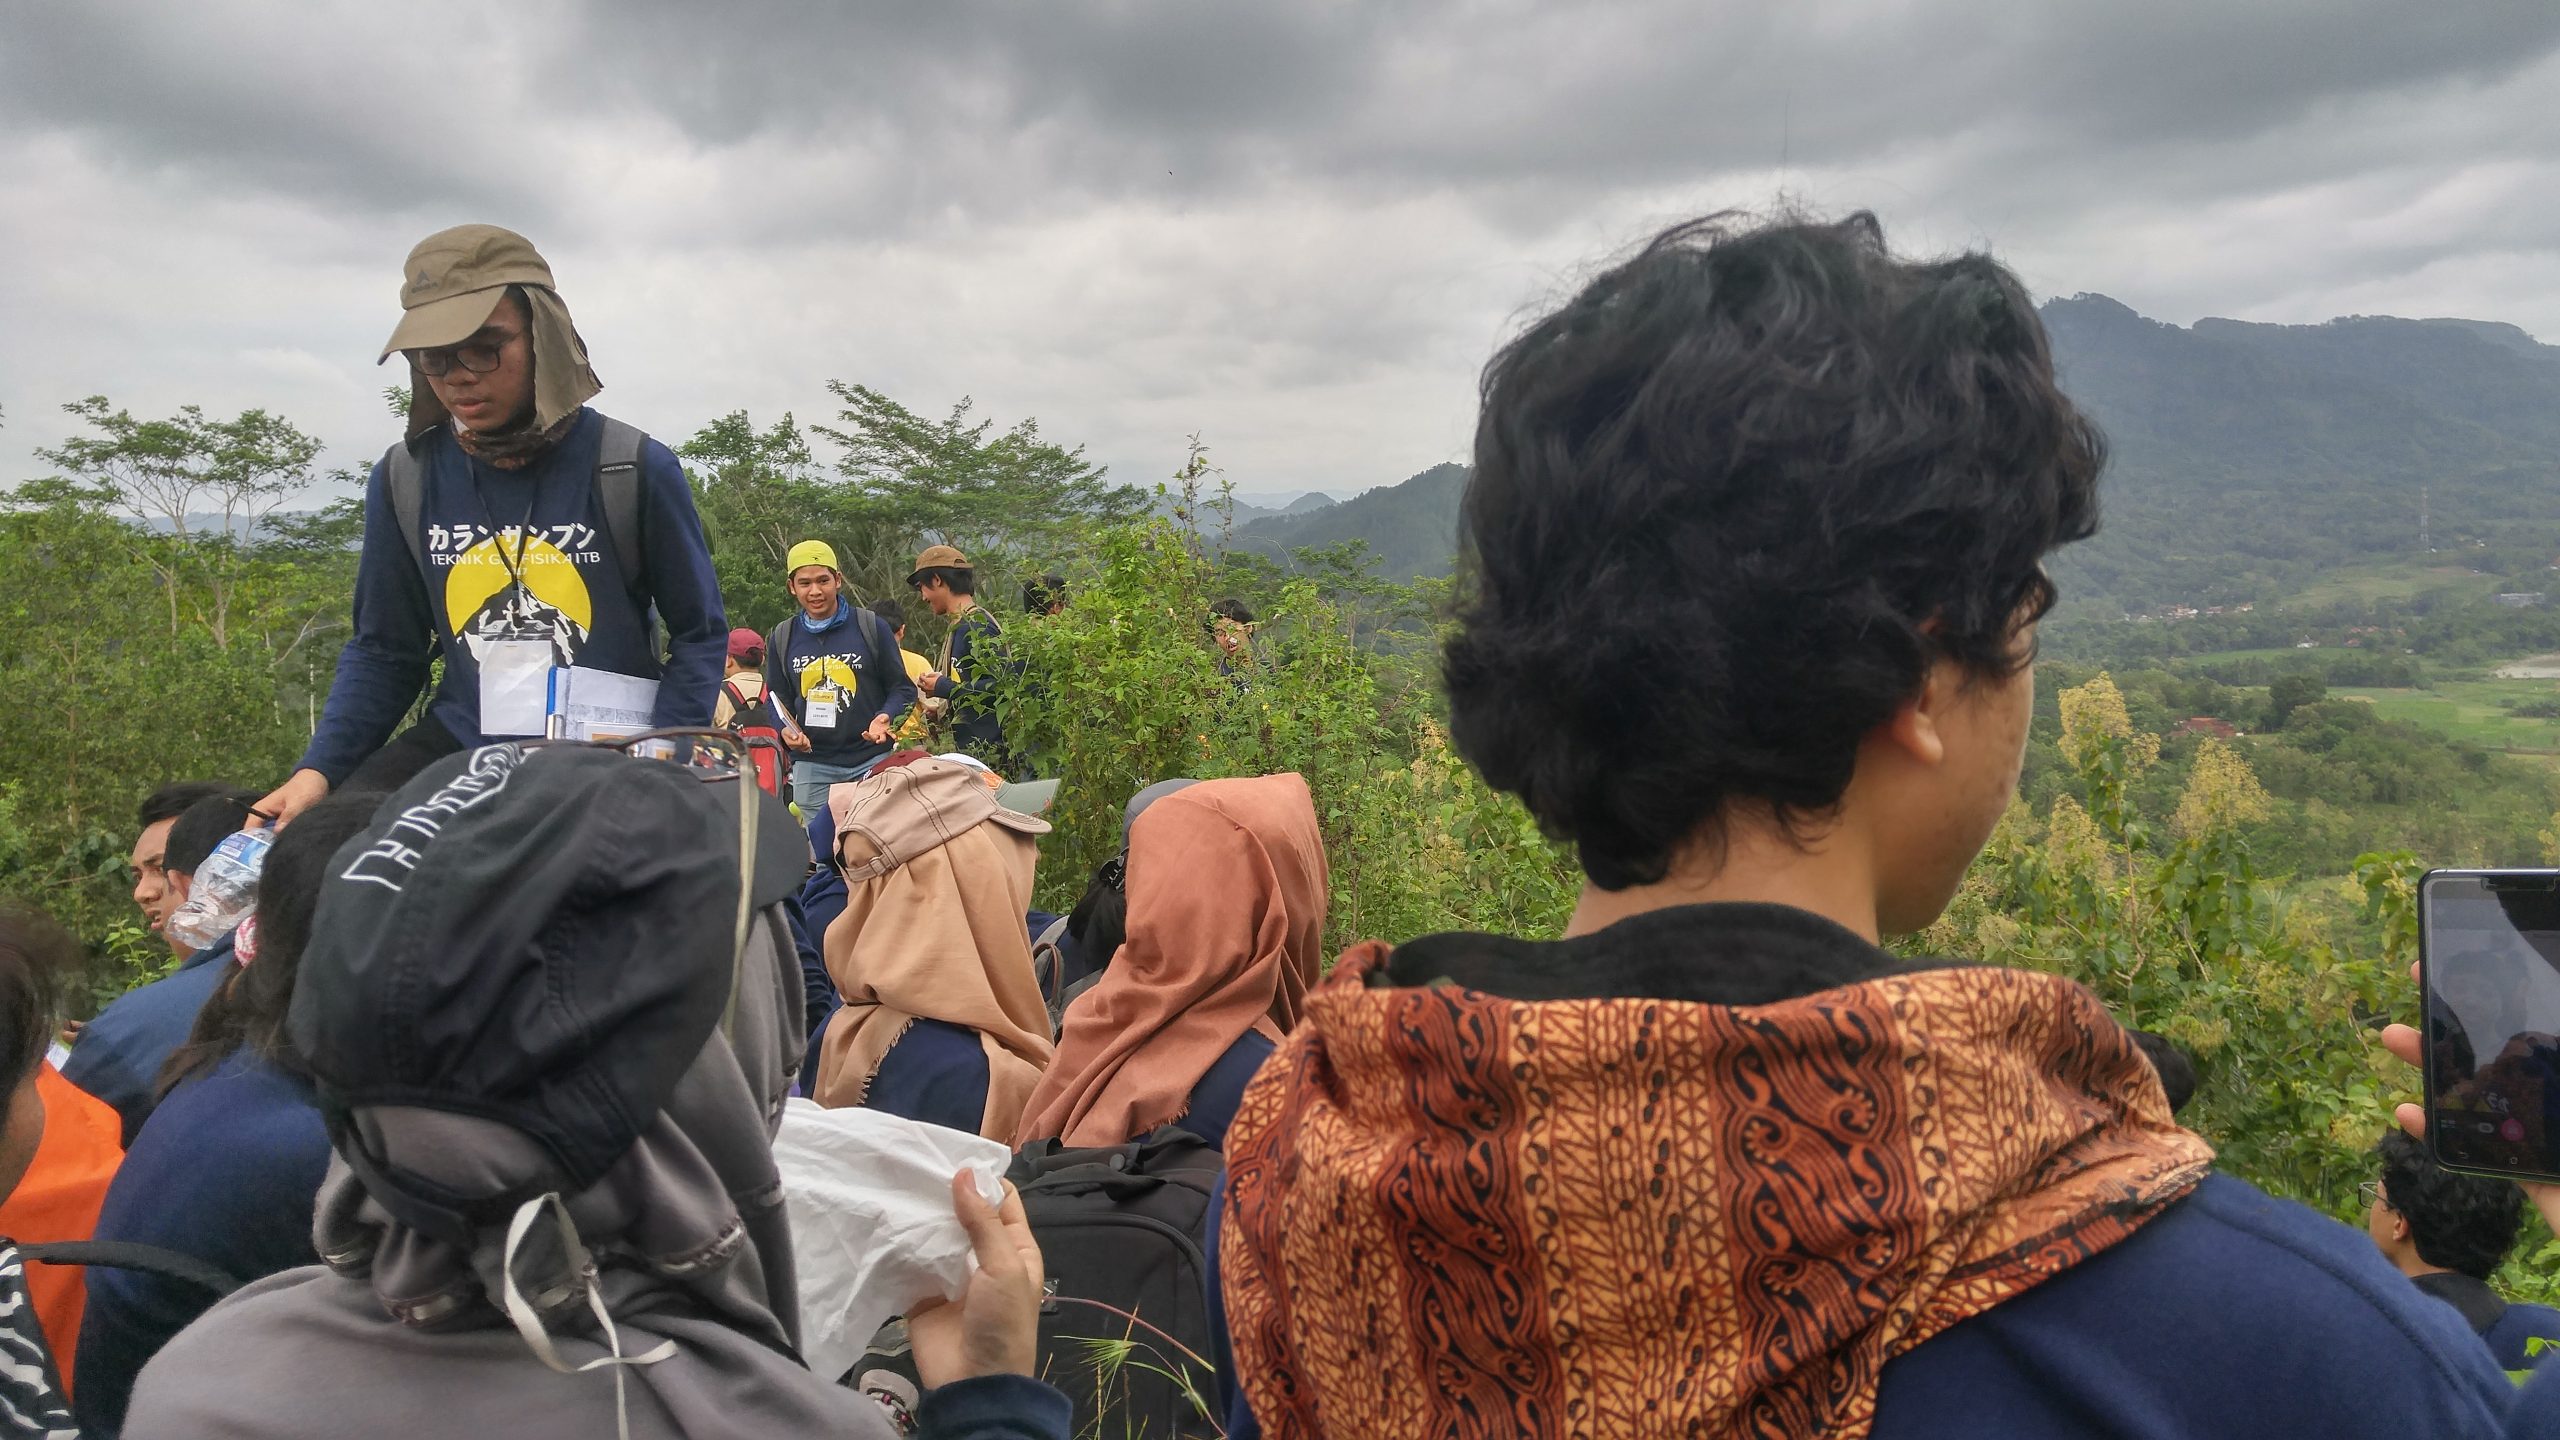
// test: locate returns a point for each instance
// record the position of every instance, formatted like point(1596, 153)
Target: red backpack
point(751, 720)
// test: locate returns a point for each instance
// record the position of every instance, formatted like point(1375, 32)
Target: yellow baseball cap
point(808, 553)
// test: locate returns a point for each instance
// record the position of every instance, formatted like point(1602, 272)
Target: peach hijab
point(937, 935)
point(1226, 931)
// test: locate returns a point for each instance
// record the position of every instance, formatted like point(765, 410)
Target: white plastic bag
point(872, 1230)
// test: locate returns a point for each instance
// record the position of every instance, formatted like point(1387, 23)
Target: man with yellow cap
point(512, 530)
point(834, 678)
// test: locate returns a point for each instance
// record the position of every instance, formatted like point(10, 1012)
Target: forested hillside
point(2246, 457)
point(1412, 527)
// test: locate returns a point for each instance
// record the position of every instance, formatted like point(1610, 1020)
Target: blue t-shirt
point(226, 1170)
point(121, 1052)
point(472, 517)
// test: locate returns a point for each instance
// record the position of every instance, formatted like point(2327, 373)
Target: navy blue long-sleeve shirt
point(227, 1170)
point(842, 664)
point(120, 1053)
point(975, 663)
point(469, 516)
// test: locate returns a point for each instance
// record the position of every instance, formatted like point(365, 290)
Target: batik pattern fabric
point(32, 1403)
point(1456, 1215)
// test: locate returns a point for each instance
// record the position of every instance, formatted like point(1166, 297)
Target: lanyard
point(524, 534)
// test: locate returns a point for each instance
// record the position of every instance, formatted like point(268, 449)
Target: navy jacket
point(2518, 1335)
point(469, 514)
point(936, 1073)
point(120, 1053)
point(822, 899)
point(977, 663)
point(2230, 1316)
point(840, 662)
point(227, 1171)
point(2233, 1316)
point(1214, 1099)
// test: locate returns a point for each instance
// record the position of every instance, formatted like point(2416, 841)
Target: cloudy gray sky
point(1297, 228)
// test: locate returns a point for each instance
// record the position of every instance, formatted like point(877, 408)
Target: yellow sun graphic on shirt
point(482, 603)
point(828, 670)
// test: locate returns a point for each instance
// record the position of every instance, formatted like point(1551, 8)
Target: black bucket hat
point(542, 937)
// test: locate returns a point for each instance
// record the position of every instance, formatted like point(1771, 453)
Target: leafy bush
point(1124, 689)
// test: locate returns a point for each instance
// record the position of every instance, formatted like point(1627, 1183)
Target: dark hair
point(35, 955)
point(753, 659)
point(961, 579)
point(1729, 505)
point(201, 827)
point(171, 800)
point(2460, 1222)
point(891, 611)
point(2177, 1073)
point(249, 1009)
point(1100, 921)
point(1043, 593)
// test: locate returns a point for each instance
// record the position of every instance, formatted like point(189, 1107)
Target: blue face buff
point(821, 627)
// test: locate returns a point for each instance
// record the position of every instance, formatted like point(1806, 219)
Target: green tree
point(2290, 692)
point(160, 471)
point(957, 479)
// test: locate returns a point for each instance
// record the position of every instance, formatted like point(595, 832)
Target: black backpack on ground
point(1125, 1328)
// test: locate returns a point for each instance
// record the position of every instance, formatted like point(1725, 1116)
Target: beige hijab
point(562, 378)
point(937, 935)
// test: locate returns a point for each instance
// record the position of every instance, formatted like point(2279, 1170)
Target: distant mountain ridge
point(1411, 526)
point(2244, 457)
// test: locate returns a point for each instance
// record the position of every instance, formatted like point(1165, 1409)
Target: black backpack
point(1125, 1328)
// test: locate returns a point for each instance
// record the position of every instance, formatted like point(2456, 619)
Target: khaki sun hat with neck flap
point(454, 280)
point(451, 285)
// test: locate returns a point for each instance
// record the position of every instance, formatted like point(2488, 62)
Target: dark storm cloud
point(1297, 226)
point(886, 117)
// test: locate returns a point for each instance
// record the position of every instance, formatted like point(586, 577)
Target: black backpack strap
point(777, 652)
point(133, 1255)
point(404, 482)
point(618, 494)
point(884, 646)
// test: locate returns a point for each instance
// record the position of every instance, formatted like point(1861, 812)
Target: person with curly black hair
point(2449, 1232)
point(1756, 540)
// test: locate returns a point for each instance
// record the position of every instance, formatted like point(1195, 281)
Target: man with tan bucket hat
point(513, 530)
point(972, 660)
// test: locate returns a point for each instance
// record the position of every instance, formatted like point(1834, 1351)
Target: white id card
point(515, 687)
point(822, 713)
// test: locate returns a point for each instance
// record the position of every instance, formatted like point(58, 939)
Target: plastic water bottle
point(224, 891)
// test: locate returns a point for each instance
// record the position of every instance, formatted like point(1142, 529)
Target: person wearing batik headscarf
point(513, 529)
point(1757, 533)
point(1226, 890)
point(941, 1019)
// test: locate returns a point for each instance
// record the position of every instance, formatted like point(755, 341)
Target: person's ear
point(1915, 727)
point(2399, 1229)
